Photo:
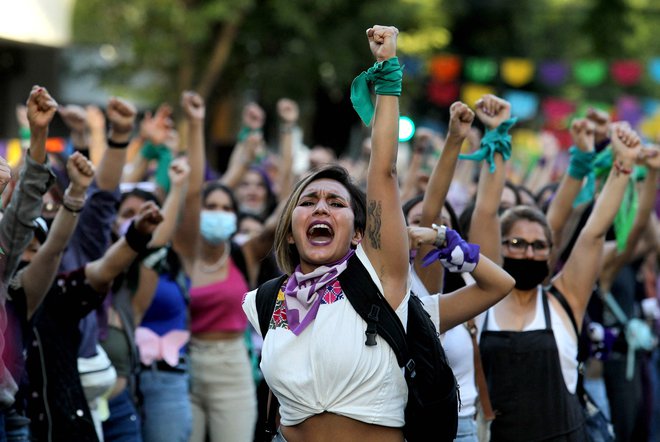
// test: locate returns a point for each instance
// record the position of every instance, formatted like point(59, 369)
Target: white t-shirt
point(328, 367)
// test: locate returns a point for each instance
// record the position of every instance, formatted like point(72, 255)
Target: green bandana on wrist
point(495, 140)
point(386, 76)
point(581, 164)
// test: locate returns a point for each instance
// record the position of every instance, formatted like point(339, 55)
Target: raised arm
point(121, 115)
point(615, 259)
point(101, 272)
point(38, 276)
point(35, 179)
point(75, 118)
point(172, 208)
point(386, 243)
point(187, 234)
point(485, 221)
point(250, 139)
point(288, 114)
point(581, 163)
point(577, 278)
point(460, 122)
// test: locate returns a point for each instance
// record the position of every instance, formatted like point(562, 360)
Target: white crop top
point(565, 338)
point(328, 367)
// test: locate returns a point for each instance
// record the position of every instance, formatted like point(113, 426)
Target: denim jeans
point(17, 426)
point(166, 411)
point(123, 425)
point(467, 430)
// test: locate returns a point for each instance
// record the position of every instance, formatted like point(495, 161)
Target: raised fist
point(179, 171)
point(121, 115)
point(5, 172)
point(80, 170)
point(626, 143)
point(382, 41)
point(156, 128)
point(460, 120)
point(583, 132)
point(95, 118)
point(41, 108)
point(254, 116)
point(601, 120)
point(75, 117)
point(287, 111)
point(148, 218)
point(193, 106)
point(492, 110)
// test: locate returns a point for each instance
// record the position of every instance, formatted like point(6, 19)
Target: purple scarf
point(303, 292)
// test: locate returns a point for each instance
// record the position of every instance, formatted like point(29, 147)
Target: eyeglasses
point(518, 246)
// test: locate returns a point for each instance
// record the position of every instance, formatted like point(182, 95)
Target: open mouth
point(320, 234)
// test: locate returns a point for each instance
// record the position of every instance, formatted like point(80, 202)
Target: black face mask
point(528, 273)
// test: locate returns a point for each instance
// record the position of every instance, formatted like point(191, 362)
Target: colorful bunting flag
point(553, 73)
point(629, 109)
point(590, 72)
point(446, 68)
point(557, 109)
point(654, 69)
point(443, 94)
point(517, 72)
point(626, 72)
point(472, 92)
point(524, 105)
point(480, 69)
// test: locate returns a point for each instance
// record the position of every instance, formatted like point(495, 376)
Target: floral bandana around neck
point(302, 292)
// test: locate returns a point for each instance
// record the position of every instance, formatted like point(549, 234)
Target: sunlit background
point(550, 58)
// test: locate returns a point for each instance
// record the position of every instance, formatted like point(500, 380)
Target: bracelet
point(442, 235)
point(74, 205)
point(117, 145)
point(136, 240)
point(620, 168)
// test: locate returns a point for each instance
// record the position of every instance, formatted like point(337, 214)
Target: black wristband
point(74, 211)
point(117, 145)
point(136, 240)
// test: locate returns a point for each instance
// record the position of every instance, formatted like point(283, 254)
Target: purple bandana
point(302, 292)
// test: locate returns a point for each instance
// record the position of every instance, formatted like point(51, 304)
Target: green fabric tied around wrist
point(246, 132)
point(625, 216)
point(386, 77)
point(495, 140)
point(581, 164)
point(163, 155)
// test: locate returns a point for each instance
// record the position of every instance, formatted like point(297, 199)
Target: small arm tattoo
point(374, 212)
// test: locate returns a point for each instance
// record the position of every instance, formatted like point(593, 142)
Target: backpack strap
point(564, 303)
point(265, 299)
point(381, 319)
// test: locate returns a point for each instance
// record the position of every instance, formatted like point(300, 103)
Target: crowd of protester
point(125, 268)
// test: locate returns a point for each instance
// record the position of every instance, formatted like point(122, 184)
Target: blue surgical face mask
point(217, 226)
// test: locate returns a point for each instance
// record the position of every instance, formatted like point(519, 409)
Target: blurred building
point(32, 35)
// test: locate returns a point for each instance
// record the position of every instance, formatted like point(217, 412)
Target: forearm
point(238, 165)
point(102, 272)
point(110, 170)
point(171, 217)
point(384, 138)
point(38, 144)
point(440, 180)
point(561, 205)
point(485, 221)
point(196, 157)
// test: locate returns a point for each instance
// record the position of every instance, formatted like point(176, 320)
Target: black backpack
point(433, 395)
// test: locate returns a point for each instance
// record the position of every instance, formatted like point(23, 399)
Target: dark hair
point(138, 193)
point(412, 202)
point(544, 204)
point(515, 190)
point(212, 186)
point(529, 213)
point(271, 198)
point(287, 254)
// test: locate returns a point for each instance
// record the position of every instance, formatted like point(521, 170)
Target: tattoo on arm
point(374, 211)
